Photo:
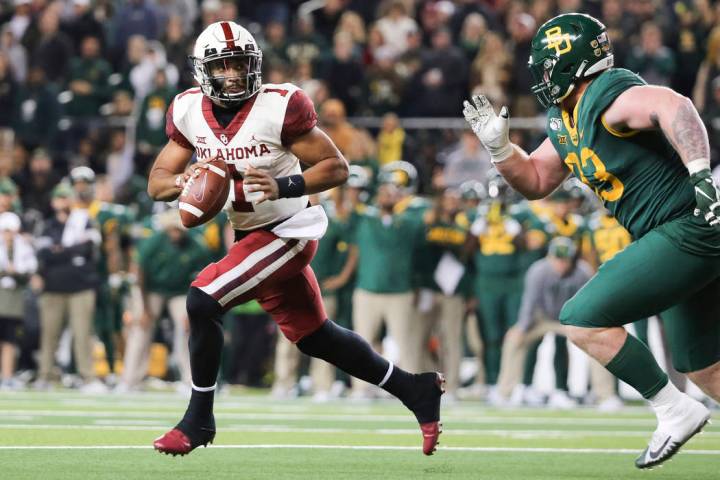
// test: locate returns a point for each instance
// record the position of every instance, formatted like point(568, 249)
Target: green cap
point(562, 247)
point(7, 186)
point(62, 190)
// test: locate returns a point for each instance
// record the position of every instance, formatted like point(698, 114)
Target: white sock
point(668, 396)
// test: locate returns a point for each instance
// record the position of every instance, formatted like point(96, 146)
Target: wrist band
point(503, 154)
point(698, 165)
point(292, 186)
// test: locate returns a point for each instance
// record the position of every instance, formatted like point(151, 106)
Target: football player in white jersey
point(264, 132)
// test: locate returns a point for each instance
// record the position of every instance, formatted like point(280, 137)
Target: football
point(204, 196)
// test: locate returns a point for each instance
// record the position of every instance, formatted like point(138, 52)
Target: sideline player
point(644, 151)
point(264, 132)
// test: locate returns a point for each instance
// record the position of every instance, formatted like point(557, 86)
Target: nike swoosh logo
point(697, 190)
point(655, 453)
point(199, 194)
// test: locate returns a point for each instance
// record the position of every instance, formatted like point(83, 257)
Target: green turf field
point(63, 435)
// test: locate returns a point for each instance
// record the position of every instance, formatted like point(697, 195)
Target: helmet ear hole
point(567, 68)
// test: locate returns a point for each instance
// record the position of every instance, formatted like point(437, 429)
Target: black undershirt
point(224, 115)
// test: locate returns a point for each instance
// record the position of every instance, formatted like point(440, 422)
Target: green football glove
point(707, 197)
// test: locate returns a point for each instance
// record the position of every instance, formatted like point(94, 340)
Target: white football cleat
point(516, 399)
point(495, 399)
point(611, 404)
point(533, 397)
point(676, 425)
point(560, 400)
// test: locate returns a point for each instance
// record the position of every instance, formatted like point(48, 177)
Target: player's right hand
point(493, 130)
point(192, 171)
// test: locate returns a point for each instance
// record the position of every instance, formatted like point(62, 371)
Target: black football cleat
point(427, 409)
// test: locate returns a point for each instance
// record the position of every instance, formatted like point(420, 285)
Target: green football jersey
point(637, 174)
point(332, 251)
point(535, 231)
point(498, 253)
point(608, 237)
point(440, 237)
point(112, 219)
point(387, 247)
point(211, 234)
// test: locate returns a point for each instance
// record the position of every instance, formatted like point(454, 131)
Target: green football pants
point(654, 276)
point(497, 312)
point(560, 363)
point(108, 320)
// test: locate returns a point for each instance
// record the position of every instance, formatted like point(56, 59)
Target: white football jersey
point(258, 135)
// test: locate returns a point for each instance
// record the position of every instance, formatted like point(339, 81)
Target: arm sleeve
point(300, 117)
point(172, 131)
point(531, 297)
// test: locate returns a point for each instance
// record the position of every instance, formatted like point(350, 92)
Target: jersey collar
point(572, 127)
point(225, 135)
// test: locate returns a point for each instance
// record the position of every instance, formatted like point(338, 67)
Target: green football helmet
point(358, 177)
point(473, 190)
point(564, 50)
point(402, 174)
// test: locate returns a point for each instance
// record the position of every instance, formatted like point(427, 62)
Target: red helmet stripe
point(228, 34)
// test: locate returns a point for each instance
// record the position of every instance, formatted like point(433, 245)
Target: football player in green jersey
point(644, 151)
point(404, 175)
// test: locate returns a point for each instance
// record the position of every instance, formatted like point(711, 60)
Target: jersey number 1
point(240, 204)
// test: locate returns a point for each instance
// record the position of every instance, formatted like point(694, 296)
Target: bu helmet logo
point(558, 40)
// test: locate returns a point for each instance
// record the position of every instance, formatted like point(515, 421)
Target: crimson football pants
point(274, 271)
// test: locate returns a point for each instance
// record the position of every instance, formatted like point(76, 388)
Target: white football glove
point(491, 129)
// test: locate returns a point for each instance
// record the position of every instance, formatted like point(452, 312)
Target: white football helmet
point(219, 46)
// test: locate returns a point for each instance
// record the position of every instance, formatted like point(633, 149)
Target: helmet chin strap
point(565, 95)
point(578, 76)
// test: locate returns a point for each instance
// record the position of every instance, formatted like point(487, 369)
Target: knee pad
point(201, 306)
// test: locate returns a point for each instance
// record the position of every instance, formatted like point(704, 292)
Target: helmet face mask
point(227, 73)
point(564, 50)
point(550, 87)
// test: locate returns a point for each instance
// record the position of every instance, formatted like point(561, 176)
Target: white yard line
point(302, 404)
point(155, 426)
point(361, 418)
point(358, 447)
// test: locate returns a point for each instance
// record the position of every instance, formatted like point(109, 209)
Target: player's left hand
point(259, 181)
point(707, 197)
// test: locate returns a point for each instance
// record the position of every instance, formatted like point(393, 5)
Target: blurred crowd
point(84, 89)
